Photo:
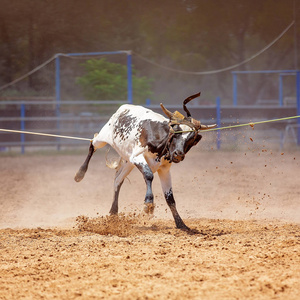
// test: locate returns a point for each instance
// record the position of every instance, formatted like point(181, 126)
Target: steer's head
point(184, 131)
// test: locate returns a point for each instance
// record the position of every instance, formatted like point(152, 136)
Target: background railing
point(84, 118)
point(73, 118)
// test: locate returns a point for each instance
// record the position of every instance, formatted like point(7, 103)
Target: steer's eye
point(176, 129)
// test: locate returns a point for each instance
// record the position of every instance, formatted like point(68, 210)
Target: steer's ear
point(192, 142)
point(178, 115)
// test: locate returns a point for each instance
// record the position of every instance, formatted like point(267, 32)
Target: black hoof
point(188, 230)
point(149, 208)
point(79, 175)
point(192, 231)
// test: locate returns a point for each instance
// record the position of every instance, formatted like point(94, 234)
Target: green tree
point(108, 81)
point(191, 35)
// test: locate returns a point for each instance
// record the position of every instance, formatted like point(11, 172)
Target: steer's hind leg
point(123, 170)
point(165, 179)
point(82, 170)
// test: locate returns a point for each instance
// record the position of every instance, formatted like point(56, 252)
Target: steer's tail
point(82, 170)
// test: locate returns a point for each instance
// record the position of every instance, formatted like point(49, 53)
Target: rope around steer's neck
point(166, 151)
point(173, 122)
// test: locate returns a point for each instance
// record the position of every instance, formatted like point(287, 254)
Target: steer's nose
point(178, 156)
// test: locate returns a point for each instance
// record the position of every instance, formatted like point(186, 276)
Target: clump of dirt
point(120, 225)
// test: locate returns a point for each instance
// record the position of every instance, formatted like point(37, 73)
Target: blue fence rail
point(73, 118)
point(84, 118)
point(280, 73)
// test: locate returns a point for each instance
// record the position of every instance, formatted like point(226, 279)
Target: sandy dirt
point(57, 243)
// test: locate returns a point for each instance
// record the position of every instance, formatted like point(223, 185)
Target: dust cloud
point(237, 185)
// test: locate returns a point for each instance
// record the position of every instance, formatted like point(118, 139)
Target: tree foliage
point(192, 35)
point(104, 80)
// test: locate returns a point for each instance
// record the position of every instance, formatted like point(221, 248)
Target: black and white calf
point(150, 142)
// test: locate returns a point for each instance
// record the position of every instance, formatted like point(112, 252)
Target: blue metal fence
point(87, 117)
point(59, 120)
point(280, 73)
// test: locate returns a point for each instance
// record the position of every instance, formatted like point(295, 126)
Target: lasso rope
point(245, 124)
point(223, 69)
point(213, 129)
point(254, 123)
point(46, 134)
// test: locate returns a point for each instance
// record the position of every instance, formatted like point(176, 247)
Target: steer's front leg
point(144, 168)
point(166, 184)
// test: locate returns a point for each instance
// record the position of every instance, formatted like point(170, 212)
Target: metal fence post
point(22, 128)
point(234, 89)
point(129, 78)
point(218, 107)
point(57, 78)
point(280, 90)
point(57, 96)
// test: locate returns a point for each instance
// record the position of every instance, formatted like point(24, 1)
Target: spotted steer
point(150, 142)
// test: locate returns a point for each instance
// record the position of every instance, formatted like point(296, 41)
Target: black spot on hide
point(124, 125)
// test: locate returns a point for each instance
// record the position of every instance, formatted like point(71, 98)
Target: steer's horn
point(199, 126)
point(167, 112)
point(205, 127)
point(187, 100)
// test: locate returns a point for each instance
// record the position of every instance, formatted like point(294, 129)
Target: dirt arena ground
point(56, 243)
